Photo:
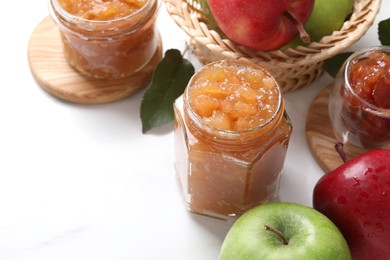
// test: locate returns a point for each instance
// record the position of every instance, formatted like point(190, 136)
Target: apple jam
point(107, 39)
point(231, 138)
point(364, 99)
point(102, 10)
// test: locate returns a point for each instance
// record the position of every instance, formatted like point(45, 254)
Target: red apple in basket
point(262, 24)
point(356, 197)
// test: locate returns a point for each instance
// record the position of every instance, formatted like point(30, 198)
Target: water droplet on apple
point(369, 170)
point(380, 169)
point(379, 227)
point(357, 181)
point(366, 224)
point(369, 235)
point(342, 200)
point(357, 211)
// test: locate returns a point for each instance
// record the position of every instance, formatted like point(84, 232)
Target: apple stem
point(299, 26)
point(278, 233)
point(340, 150)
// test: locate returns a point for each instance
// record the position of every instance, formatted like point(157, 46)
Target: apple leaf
point(384, 32)
point(169, 81)
point(333, 65)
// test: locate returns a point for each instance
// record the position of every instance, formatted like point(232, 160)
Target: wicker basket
point(293, 68)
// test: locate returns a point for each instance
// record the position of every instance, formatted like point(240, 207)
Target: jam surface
point(370, 79)
point(234, 98)
point(101, 10)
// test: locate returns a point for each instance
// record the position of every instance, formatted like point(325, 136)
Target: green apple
point(284, 230)
point(327, 16)
point(204, 5)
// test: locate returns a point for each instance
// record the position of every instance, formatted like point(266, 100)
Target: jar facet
point(108, 49)
point(224, 173)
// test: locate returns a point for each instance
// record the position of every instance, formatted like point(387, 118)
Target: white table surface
point(82, 182)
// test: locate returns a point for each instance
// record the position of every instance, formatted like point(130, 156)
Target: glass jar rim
point(363, 53)
point(231, 133)
point(71, 17)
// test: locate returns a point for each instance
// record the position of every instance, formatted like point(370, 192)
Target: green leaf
point(169, 81)
point(333, 65)
point(384, 32)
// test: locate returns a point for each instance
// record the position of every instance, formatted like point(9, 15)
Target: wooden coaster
point(54, 74)
point(320, 135)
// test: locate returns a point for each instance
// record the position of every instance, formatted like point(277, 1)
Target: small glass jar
point(110, 49)
point(224, 173)
point(359, 100)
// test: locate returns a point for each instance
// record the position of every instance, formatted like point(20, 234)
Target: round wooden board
point(320, 135)
point(54, 74)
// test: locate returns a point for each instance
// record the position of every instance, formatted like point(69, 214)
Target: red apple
point(262, 24)
point(356, 197)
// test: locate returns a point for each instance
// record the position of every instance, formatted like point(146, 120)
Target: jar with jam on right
point(359, 100)
point(231, 138)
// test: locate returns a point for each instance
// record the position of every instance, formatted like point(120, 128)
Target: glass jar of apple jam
point(231, 137)
point(359, 100)
point(107, 39)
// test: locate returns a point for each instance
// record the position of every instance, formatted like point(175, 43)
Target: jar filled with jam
point(231, 138)
point(359, 101)
point(107, 39)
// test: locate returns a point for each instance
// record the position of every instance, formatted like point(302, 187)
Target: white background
point(82, 182)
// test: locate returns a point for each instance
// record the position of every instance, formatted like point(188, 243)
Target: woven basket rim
point(188, 17)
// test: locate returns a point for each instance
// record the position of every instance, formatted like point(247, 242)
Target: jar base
point(230, 218)
point(53, 73)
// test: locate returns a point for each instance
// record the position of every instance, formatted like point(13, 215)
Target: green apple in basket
point(284, 230)
point(327, 16)
point(204, 5)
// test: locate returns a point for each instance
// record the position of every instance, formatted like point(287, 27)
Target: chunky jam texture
point(370, 79)
point(101, 10)
point(234, 98)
